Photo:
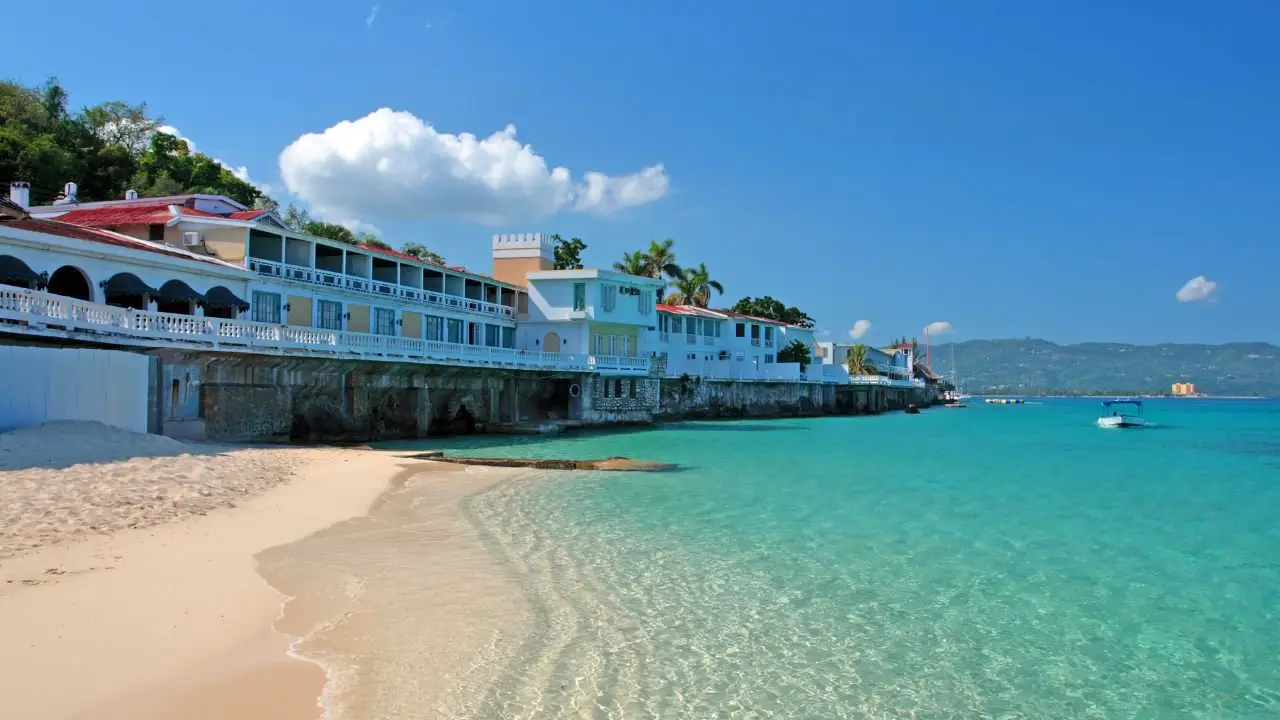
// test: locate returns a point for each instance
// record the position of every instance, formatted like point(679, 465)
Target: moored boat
point(1124, 414)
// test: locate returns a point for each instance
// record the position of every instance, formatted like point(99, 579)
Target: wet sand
point(171, 620)
point(406, 607)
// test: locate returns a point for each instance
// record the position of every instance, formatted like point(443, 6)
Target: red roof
point(753, 318)
point(392, 253)
point(145, 214)
point(690, 310)
point(192, 212)
point(77, 232)
point(247, 214)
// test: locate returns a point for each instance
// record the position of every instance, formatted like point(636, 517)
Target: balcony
point(377, 288)
point(882, 381)
point(37, 313)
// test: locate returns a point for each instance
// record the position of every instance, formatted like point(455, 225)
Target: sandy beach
point(128, 581)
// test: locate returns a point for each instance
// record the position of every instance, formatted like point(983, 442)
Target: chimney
point(20, 194)
point(131, 194)
point(518, 254)
point(68, 195)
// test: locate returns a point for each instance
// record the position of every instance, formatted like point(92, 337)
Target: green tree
point(694, 287)
point(858, 360)
point(568, 253)
point(661, 260)
point(422, 253)
point(796, 352)
point(767, 307)
point(632, 263)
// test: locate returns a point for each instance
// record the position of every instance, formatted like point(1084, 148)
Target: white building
point(892, 367)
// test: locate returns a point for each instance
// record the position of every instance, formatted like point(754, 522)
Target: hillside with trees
point(1029, 366)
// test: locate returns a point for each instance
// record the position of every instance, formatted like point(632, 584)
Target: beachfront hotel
point(246, 318)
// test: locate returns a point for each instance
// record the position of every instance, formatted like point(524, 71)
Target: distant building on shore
point(1184, 388)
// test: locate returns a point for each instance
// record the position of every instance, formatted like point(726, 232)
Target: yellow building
point(1184, 388)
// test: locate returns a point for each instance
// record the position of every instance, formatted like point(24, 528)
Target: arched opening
point(127, 290)
point(70, 281)
point(220, 302)
point(551, 342)
point(178, 298)
point(17, 273)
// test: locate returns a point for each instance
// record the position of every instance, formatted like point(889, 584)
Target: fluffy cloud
point(371, 17)
point(1197, 289)
point(941, 327)
point(392, 165)
point(240, 171)
point(859, 329)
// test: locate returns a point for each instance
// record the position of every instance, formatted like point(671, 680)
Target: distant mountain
point(1040, 367)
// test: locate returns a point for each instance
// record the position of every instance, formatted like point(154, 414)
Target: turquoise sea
point(990, 562)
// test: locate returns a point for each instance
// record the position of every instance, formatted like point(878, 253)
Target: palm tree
point(858, 360)
point(661, 260)
point(694, 286)
point(633, 263)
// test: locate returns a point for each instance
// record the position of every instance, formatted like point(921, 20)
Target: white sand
point(70, 480)
point(130, 589)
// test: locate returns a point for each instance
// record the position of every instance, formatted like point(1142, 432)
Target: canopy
point(220, 297)
point(127, 284)
point(178, 291)
point(1109, 403)
point(14, 271)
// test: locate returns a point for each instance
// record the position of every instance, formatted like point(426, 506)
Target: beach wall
point(691, 397)
point(44, 384)
point(238, 397)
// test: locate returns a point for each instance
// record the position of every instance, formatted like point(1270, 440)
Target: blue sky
point(1053, 169)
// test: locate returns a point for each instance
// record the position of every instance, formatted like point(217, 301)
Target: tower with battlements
point(518, 254)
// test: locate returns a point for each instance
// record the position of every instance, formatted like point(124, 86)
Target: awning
point(127, 284)
point(14, 271)
point(220, 297)
point(178, 291)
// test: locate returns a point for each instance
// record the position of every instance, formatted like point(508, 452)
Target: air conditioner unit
point(191, 239)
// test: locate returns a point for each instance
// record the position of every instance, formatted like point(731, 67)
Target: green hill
point(1030, 366)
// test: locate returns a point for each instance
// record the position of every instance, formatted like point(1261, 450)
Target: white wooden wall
point(39, 385)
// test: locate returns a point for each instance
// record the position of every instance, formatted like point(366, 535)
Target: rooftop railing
point(377, 288)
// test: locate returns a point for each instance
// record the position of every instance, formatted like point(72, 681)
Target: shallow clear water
point(996, 561)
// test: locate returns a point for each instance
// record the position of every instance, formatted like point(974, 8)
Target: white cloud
point(372, 16)
point(941, 327)
point(1197, 289)
point(240, 171)
point(859, 329)
point(392, 165)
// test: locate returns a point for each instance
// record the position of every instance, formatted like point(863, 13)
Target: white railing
point(883, 381)
point(31, 312)
point(620, 364)
point(378, 288)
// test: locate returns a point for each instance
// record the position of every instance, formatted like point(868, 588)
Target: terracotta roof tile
point(247, 214)
point(78, 232)
point(147, 214)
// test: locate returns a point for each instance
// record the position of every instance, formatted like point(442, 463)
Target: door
point(551, 343)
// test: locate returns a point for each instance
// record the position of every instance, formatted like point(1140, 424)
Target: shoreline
point(174, 620)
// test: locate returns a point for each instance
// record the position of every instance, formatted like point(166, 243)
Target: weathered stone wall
point(690, 397)
point(608, 400)
point(264, 398)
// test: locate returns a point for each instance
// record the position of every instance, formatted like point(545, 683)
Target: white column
point(313, 255)
point(282, 249)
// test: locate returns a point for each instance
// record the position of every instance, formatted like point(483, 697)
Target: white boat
point(1124, 414)
point(954, 398)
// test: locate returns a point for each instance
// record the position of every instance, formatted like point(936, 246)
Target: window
point(455, 331)
point(617, 388)
point(384, 321)
point(625, 347)
point(644, 302)
point(691, 329)
point(608, 297)
point(155, 233)
point(579, 296)
point(768, 359)
point(266, 307)
point(664, 323)
point(608, 386)
point(708, 328)
point(508, 337)
point(595, 344)
point(675, 324)
point(492, 335)
point(691, 356)
point(613, 344)
point(768, 336)
point(755, 332)
point(329, 315)
point(435, 327)
point(633, 388)
point(741, 329)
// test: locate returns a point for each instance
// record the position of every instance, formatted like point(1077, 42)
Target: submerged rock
point(612, 464)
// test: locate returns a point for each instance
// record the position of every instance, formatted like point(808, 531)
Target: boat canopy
point(1109, 403)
